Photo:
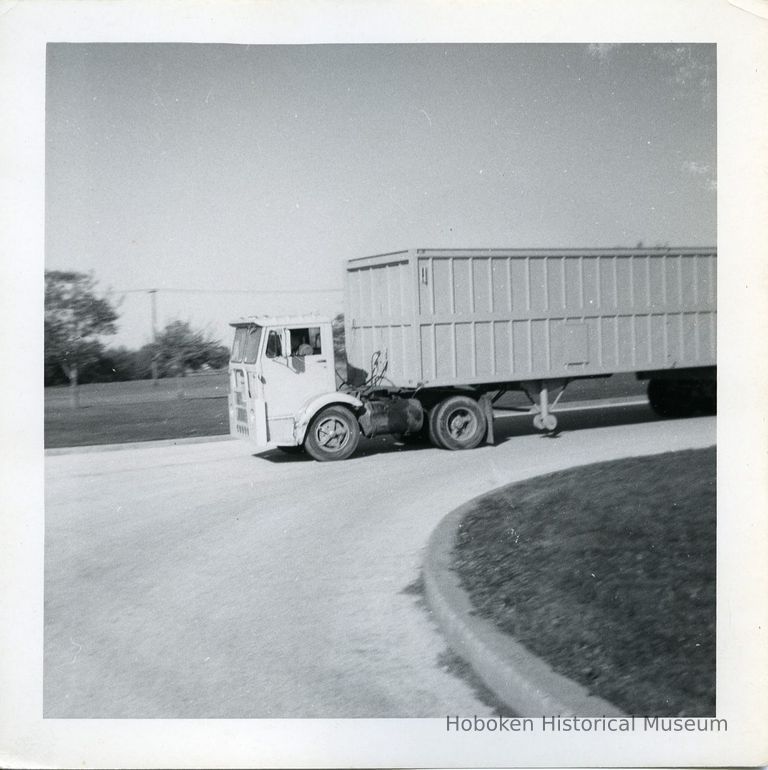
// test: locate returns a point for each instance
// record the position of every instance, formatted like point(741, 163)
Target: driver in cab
point(304, 349)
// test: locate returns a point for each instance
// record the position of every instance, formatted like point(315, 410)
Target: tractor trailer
point(434, 337)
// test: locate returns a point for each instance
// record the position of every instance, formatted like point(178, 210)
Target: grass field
point(608, 573)
point(118, 412)
point(141, 391)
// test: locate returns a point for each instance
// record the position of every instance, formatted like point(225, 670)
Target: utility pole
point(153, 300)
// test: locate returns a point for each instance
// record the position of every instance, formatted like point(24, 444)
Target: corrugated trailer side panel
point(379, 316)
point(487, 316)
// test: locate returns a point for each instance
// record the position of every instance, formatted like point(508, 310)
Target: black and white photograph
point(380, 387)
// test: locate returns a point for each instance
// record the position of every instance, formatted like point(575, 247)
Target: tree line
point(78, 317)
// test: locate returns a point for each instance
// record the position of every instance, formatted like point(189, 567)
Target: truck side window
point(314, 340)
point(305, 342)
point(274, 345)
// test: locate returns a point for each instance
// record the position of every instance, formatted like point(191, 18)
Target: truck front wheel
point(333, 435)
point(457, 423)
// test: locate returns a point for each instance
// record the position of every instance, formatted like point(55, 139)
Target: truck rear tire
point(457, 423)
point(333, 434)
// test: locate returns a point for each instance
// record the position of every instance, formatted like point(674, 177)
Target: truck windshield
point(238, 344)
point(252, 340)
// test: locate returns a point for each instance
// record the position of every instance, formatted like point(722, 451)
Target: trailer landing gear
point(547, 423)
point(543, 418)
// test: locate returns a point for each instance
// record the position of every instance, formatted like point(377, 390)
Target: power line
point(227, 291)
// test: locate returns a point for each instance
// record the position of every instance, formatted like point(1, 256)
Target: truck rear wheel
point(457, 423)
point(333, 434)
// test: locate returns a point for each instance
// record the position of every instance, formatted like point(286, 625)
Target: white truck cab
point(282, 372)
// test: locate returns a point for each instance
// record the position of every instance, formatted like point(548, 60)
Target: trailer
point(434, 337)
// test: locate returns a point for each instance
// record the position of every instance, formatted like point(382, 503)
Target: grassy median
point(608, 573)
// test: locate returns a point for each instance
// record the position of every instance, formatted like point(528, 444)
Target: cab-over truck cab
point(283, 387)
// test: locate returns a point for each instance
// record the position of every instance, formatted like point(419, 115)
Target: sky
point(238, 179)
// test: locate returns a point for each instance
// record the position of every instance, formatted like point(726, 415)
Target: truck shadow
point(513, 425)
point(506, 427)
point(368, 446)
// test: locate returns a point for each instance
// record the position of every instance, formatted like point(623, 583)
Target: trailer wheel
point(457, 423)
point(658, 398)
point(709, 398)
point(672, 398)
point(333, 435)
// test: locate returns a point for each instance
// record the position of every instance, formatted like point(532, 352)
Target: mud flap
point(486, 405)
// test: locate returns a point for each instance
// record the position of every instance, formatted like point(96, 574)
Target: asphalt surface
point(201, 580)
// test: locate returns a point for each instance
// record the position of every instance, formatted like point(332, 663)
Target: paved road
point(203, 581)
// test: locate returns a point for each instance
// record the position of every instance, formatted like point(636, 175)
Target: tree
point(179, 348)
point(219, 357)
point(114, 365)
point(340, 350)
point(75, 318)
point(337, 326)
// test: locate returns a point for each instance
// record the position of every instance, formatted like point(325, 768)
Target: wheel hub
point(332, 434)
point(460, 423)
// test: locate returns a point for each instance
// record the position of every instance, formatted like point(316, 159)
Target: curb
point(520, 679)
point(89, 448)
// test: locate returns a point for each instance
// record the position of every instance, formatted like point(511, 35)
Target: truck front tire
point(333, 434)
point(457, 423)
